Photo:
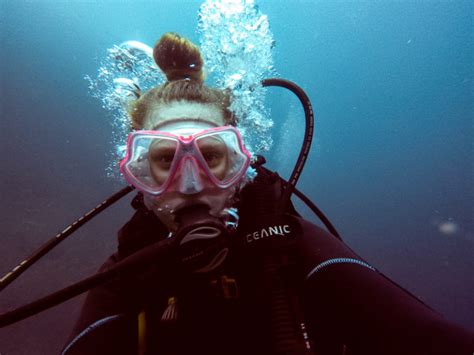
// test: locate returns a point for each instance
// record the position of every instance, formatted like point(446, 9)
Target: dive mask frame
point(184, 151)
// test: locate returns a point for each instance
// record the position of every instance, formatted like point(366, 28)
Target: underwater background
point(391, 163)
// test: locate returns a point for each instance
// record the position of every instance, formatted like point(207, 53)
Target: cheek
point(159, 175)
point(220, 169)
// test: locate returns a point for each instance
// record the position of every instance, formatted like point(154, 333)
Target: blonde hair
point(182, 63)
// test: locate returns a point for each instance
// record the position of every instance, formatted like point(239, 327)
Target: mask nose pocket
point(190, 179)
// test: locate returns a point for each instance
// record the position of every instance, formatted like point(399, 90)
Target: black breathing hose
point(308, 134)
point(85, 285)
point(50, 244)
point(160, 253)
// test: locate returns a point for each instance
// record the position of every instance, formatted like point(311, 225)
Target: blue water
point(391, 164)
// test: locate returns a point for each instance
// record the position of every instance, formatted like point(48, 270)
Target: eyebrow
point(182, 119)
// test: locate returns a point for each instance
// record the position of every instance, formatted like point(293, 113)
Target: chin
point(168, 205)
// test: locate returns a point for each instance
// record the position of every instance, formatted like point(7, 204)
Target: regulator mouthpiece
point(202, 239)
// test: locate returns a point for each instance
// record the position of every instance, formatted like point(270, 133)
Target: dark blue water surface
point(392, 162)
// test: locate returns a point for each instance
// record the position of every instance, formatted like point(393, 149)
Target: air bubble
point(127, 70)
point(237, 43)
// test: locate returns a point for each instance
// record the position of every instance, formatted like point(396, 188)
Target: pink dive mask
point(161, 161)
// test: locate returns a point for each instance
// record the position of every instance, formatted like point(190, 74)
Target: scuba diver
point(234, 269)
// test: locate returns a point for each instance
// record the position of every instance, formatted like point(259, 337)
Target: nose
point(190, 181)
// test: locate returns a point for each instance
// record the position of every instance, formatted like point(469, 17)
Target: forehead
point(177, 110)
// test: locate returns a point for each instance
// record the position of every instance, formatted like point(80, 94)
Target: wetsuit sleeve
point(347, 300)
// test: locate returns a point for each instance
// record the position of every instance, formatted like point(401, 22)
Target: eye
point(162, 159)
point(161, 153)
point(213, 158)
point(213, 150)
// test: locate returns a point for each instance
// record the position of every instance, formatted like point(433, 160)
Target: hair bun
point(178, 58)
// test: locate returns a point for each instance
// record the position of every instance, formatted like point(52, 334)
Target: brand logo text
point(268, 232)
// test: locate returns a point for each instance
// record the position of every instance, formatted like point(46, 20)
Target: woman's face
point(162, 152)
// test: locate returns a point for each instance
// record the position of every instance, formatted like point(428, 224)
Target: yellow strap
point(141, 333)
point(226, 287)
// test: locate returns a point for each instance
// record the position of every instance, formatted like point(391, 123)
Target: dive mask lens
point(149, 160)
point(224, 156)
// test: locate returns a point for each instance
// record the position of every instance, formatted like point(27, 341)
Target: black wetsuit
point(346, 305)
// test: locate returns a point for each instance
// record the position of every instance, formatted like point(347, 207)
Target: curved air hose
point(308, 134)
point(304, 151)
